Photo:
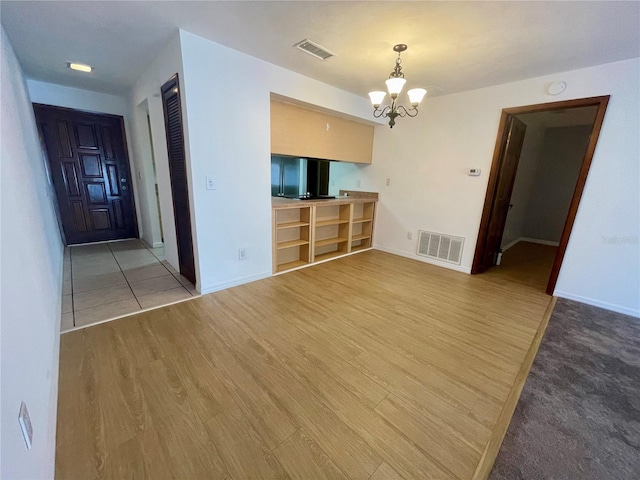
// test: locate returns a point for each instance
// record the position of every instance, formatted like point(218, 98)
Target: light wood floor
point(526, 262)
point(369, 367)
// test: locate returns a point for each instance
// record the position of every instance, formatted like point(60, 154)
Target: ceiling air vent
point(441, 247)
point(314, 49)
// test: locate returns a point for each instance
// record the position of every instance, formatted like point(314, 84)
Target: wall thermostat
point(474, 172)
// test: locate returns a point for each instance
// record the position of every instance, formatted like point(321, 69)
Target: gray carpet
point(579, 413)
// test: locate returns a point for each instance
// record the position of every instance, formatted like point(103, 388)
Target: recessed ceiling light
point(81, 67)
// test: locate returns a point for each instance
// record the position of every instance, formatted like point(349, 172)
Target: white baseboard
point(541, 242)
point(634, 312)
point(412, 256)
point(322, 261)
point(530, 240)
point(148, 245)
point(233, 283)
point(510, 244)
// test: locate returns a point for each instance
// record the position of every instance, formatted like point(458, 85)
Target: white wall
point(61, 96)
point(227, 106)
point(146, 176)
point(87, 100)
point(544, 185)
point(31, 279)
point(561, 157)
point(426, 159)
point(145, 94)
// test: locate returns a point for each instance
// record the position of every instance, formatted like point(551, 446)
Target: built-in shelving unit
point(292, 238)
point(309, 233)
point(362, 226)
point(331, 231)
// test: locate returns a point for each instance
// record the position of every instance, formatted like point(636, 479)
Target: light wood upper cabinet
point(302, 132)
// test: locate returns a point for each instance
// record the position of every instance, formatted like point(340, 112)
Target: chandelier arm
point(402, 110)
point(381, 112)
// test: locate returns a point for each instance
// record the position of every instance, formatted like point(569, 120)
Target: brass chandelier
point(394, 85)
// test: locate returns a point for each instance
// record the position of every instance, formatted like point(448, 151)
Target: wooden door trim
point(601, 102)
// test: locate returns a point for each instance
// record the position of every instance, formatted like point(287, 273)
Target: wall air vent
point(314, 49)
point(441, 247)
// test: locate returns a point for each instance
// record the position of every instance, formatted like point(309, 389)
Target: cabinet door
point(349, 141)
point(308, 133)
point(297, 131)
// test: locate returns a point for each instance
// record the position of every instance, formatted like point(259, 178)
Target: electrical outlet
point(358, 184)
point(210, 183)
point(409, 235)
point(388, 182)
point(25, 424)
point(242, 254)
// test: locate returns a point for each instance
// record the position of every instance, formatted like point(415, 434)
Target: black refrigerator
point(294, 176)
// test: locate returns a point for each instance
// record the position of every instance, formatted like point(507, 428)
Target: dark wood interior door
point(90, 169)
point(178, 173)
point(504, 188)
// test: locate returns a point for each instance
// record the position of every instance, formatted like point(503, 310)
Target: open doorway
point(147, 180)
point(541, 161)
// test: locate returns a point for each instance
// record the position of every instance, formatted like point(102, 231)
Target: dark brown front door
point(90, 170)
point(178, 173)
point(504, 187)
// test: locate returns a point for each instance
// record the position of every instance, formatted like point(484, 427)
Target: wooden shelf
point(306, 233)
point(292, 243)
point(330, 241)
point(289, 265)
point(328, 255)
point(333, 221)
point(361, 236)
point(282, 226)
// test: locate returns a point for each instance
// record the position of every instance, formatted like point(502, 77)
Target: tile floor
point(107, 280)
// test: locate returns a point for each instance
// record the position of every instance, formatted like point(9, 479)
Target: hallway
point(526, 263)
point(107, 280)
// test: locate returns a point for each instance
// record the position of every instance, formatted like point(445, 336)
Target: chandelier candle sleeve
point(395, 83)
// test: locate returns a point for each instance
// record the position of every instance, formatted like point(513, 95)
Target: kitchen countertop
point(279, 202)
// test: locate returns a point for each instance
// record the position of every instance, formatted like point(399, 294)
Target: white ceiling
point(453, 46)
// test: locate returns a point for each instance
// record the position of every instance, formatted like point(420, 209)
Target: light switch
point(474, 172)
point(210, 183)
